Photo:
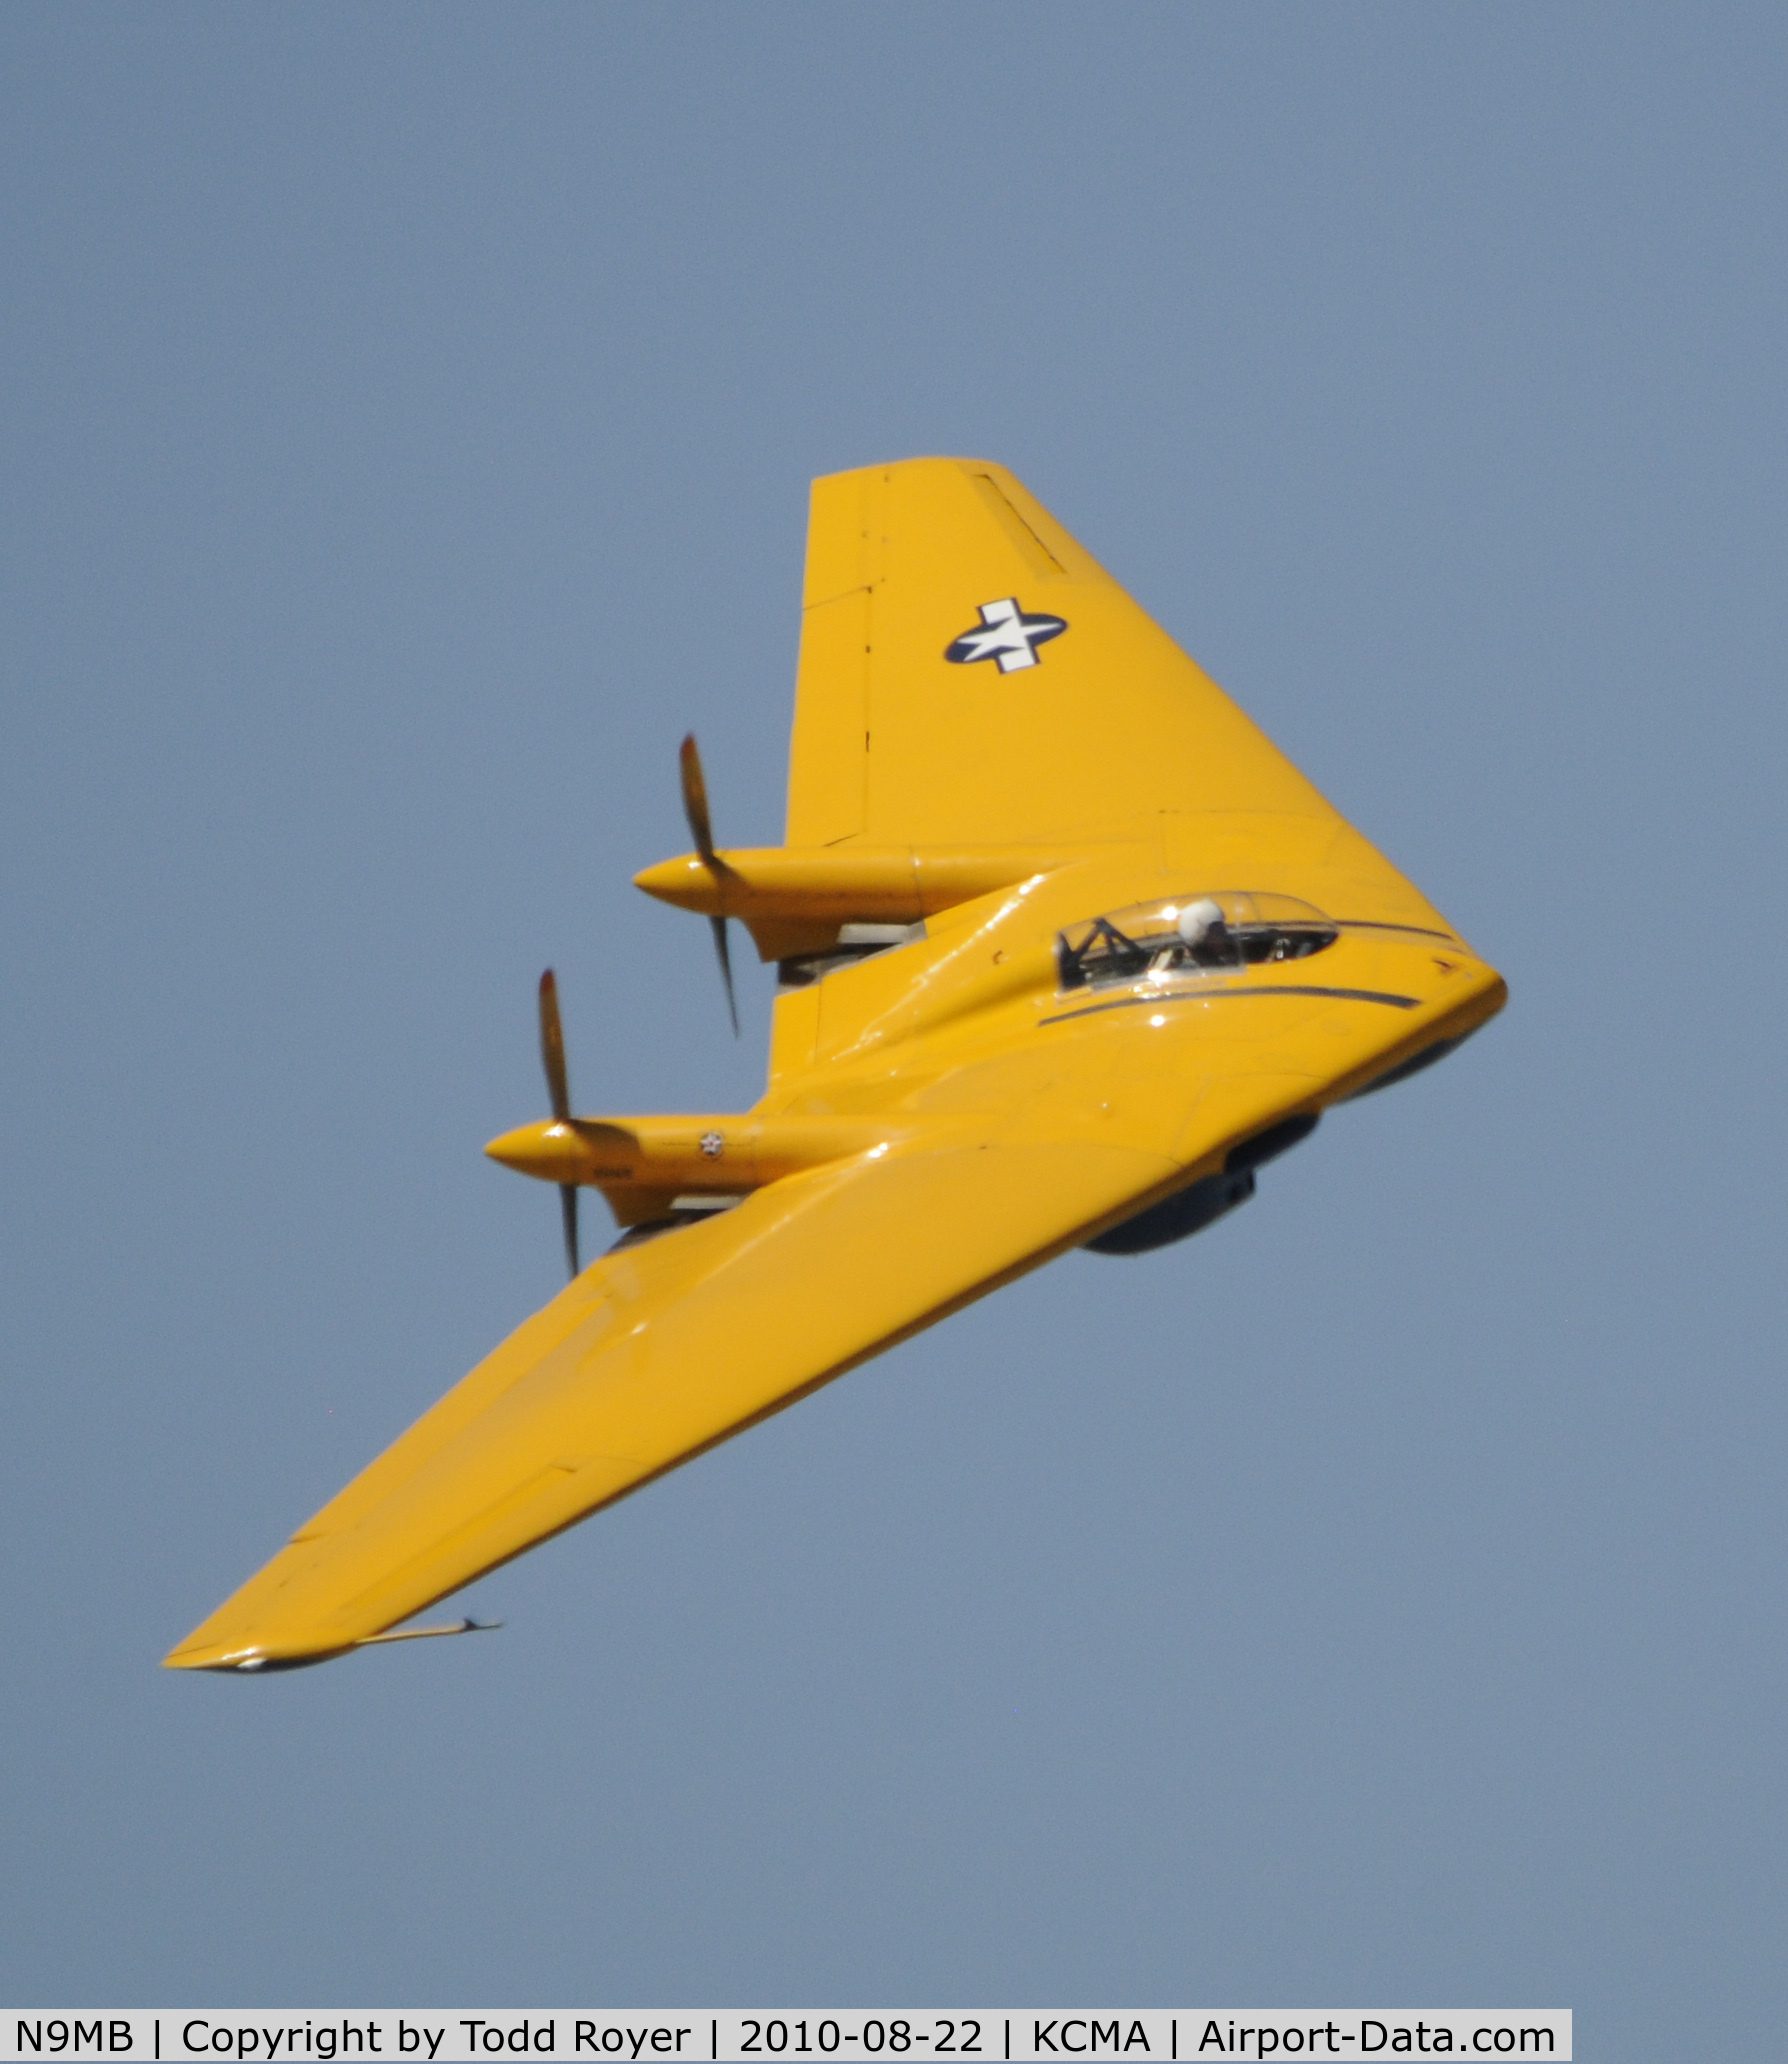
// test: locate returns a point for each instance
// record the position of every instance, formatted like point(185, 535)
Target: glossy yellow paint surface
point(941, 1116)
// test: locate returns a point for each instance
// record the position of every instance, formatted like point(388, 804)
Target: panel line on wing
point(482, 1521)
point(1031, 547)
point(1235, 996)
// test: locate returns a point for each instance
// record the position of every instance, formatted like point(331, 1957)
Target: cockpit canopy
point(1209, 931)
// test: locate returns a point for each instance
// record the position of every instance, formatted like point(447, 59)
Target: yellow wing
point(1028, 733)
point(655, 1353)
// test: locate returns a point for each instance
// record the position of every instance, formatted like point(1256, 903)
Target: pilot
point(1202, 930)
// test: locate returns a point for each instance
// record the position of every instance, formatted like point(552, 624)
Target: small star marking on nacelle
point(713, 1145)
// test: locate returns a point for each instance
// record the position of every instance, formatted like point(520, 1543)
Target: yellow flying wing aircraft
point(1067, 951)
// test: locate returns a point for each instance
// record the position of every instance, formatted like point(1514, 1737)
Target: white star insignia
point(1007, 634)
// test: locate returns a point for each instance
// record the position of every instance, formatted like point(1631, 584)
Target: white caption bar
point(582, 2035)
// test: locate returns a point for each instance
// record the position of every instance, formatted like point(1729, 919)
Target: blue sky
point(408, 418)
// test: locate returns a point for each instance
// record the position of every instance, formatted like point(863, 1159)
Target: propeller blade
point(695, 808)
point(552, 1055)
point(552, 1048)
point(726, 968)
point(695, 799)
point(568, 1212)
point(701, 829)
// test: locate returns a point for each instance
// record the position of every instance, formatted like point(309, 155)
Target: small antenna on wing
point(466, 1626)
point(695, 808)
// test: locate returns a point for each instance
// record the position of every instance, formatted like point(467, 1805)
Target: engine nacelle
point(1201, 1204)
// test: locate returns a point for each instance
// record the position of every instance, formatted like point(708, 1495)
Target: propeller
point(695, 808)
point(552, 1055)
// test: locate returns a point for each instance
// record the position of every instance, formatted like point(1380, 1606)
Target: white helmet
point(1197, 919)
